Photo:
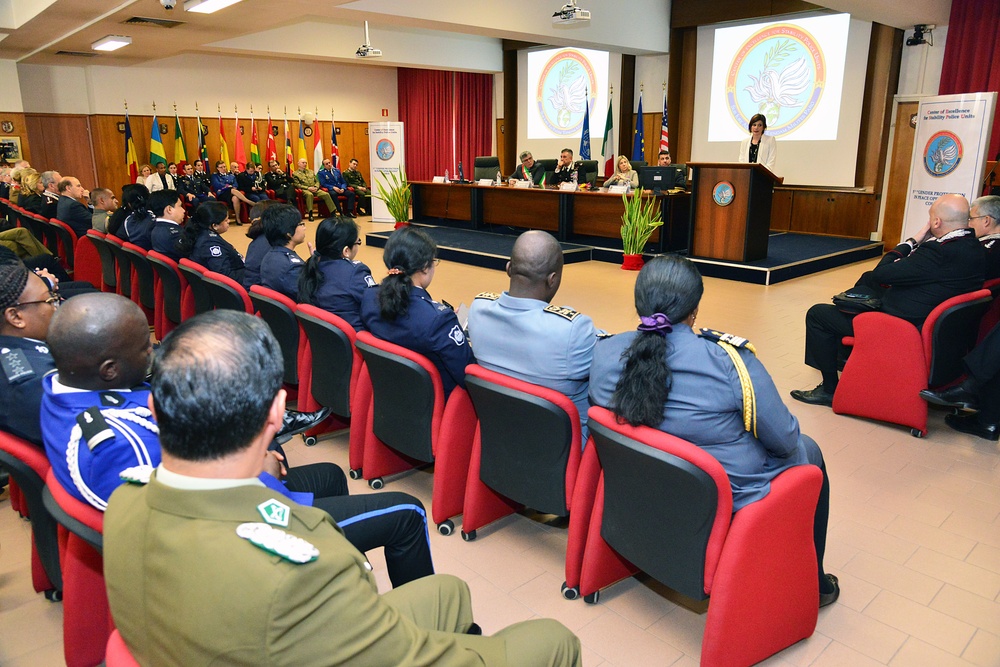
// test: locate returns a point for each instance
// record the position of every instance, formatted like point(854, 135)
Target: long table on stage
point(572, 215)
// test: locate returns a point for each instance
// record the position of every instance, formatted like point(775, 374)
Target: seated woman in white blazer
point(758, 147)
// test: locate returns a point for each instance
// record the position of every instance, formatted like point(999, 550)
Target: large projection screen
point(805, 73)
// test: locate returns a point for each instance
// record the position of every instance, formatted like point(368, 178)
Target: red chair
point(109, 268)
point(88, 265)
point(116, 246)
point(300, 202)
point(118, 654)
point(992, 316)
point(196, 298)
point(526, 450)
point(86, 617)
point(66, 243)
point(892, 361)
point(46, 233)
point(168, 286)
point(664, 506)
point(28, 466)
point(279, 312)
point(409, 425)
point(227, 293)
point(143, 289)
point(330, 379)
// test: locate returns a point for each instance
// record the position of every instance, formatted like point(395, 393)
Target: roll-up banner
point(385, 145)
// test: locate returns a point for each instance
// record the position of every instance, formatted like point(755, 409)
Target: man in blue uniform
point(518, 333)
point(333, 182)
point(167, 207)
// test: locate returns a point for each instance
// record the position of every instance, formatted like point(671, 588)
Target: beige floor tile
point(931, 626)
point(917, 653)
point(894, 577)
point(984, 532)
point(861, 633)
point(620, 642)
point(985, 556)
point(855, 593)
point(962, 504)
point(541, 595)
point(968, 607)
point(805, 652)
point(494, 609)
point(931, 537)
point(872, 541)
point(909, 506)
point(839, 655)
point(964, 575)
point(983, 650)
point(50, 654)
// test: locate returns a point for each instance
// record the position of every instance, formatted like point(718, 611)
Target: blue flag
point(639, 143)
point(585, 137)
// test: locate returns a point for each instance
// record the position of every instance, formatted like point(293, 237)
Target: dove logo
point(566, 87)
point(942, 153)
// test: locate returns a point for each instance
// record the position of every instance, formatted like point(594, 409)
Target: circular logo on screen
point(723, 193)
point(779, 72)
point(942, 153)
point(384, 149)
point(565, 89)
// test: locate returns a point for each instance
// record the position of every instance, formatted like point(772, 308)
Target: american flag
point(664, 135)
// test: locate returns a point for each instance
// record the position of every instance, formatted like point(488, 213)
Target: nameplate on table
point(567, 186)
point(519, 183)
point(485, 181)
point(438, 179)
point(618, 189)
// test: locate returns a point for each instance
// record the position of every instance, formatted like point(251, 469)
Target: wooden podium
point(730, 210)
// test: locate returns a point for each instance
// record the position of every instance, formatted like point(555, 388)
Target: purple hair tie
point(657, 323)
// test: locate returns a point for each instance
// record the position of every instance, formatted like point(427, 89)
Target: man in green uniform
point(205, 565)
point(356, 180)
point(305, 180)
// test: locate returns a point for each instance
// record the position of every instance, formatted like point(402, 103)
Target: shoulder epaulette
point(491, 296)
point(731, 339)
point(562, 311)
point(730, 343)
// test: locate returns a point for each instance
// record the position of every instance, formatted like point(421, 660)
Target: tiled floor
point(914, 533)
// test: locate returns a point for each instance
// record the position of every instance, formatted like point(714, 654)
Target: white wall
point(920, 67)
point(651, 72)
point(354, 92)
point(10, 84)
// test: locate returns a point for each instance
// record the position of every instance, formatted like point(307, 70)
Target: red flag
point(241, 152)
point(664, 135)
point(272, 150)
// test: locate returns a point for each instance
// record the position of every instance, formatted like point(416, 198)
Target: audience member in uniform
point(332, 279)
point(133, 221)
point(363, 193)
point(565, 169)
point(259, 245)
point(984, 218)
point(202, 241)
point(196, 528)
point(167, 207)
point(101, 349)
point(224, 184)
point(401, 311)
point(279, 182)
point(280, 267)
point(940, 261)
point(666, 376)
point(305, 180)
point(333, 182)
point(518, 333)
point(195, 190)
point(50, 193)
point(79, 217)
point(104, 202)
point(251, 183)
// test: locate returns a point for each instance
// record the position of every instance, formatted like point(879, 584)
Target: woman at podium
point(758, 147)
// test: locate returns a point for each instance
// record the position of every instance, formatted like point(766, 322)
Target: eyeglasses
point(435, 261)
point(527, 159)
point(976, 217)
point(358, 242)
point(302, 224)
point(54, 300)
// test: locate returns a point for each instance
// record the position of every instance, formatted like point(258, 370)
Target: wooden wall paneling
point(109, 151)
point(899, 174)
point(833, 213)
point(20, 131)
point(781, 211)
point(881, 81)
point(358, 135)
point(63, 143)
point(501, 144)
point(510, 98)
point(684, 14)
point(626, 106)
point(683, 61)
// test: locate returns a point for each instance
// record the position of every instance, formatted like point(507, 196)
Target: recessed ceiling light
point(207, 6)
point(111, 43)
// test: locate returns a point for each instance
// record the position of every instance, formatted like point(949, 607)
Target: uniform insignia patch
point(491, 296)
point(369, 281)
point(275, 512)
point(93, 428)
point(215, 251)
point(735, 341)
point(278, 542)
point(136, 475)
point(457, 335)
point(42, 349)
point(562, 311)
point(295, 259)
point(111, 399)
point(15, 365)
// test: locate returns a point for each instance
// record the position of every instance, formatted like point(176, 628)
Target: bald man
point(940, 261)
point(518, 333)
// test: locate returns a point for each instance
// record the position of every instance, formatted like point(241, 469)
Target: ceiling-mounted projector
point(366, 50)
point(570, 13)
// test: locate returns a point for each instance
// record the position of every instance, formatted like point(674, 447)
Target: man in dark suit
point(80, 218)
point(942, 260)
point(529, 169)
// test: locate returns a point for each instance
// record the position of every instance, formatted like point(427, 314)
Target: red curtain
point(473, 118)
point(425, 109)
point(971, 61)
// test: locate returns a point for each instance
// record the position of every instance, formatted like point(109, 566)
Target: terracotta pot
point(632, 262)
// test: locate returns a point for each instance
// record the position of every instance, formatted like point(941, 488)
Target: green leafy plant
point(395, 192)
point(641, 218)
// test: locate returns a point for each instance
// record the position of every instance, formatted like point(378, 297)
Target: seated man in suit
point(333, 182)
point(940, 261)
point(663, 160)
point(518, 333)
point(529, 170)
point(80, 218)
point(204, 525)
point(565, 169)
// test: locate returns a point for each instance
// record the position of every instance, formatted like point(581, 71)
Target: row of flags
point(158, 155)
point(608, 146)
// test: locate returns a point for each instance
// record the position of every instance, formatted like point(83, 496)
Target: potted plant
point(641, 217)
point(395, 192)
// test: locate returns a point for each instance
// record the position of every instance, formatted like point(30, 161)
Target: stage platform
point(788, 255)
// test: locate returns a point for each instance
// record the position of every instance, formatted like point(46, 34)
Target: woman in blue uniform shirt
point(332, 279)
point(402, 312)
point(666, 376)
point(258, 243)
point(280, 268)
point(202, 242)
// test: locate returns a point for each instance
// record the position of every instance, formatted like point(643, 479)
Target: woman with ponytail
point(401, 311)
point(668, 376)
point(332, 279)
point(202, 242)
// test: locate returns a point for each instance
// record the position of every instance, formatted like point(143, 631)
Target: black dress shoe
point(817, 396)
point(298, 422)
point(969, 423)
point(952, 397)
point(831, 597)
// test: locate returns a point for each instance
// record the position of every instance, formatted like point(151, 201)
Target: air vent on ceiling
point(79, 54)
point(159, 23)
